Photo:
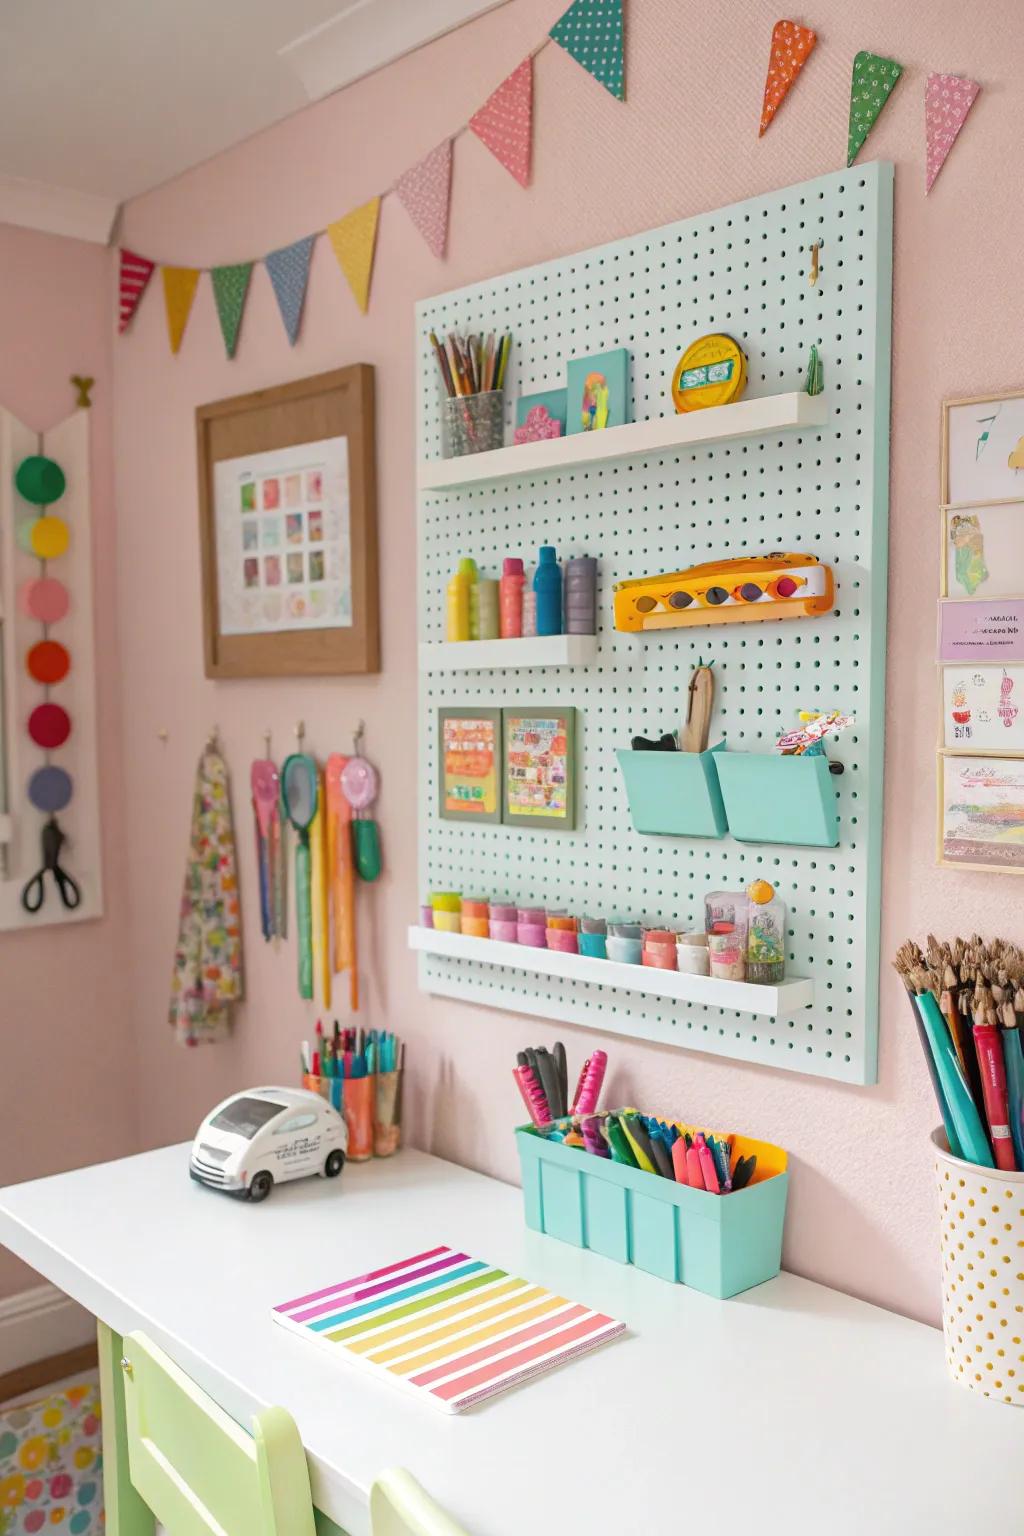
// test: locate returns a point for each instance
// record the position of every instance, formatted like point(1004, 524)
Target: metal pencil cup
point(473, 423)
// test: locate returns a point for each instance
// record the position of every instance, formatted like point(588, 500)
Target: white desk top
point(815, 1413)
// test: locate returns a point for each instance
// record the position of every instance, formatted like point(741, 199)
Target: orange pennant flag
point(179, 291)
point(791, 48)
point(353, 239)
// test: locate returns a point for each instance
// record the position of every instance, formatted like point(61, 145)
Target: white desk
point(817, 1413)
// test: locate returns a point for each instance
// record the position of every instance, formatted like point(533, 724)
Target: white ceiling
point(103, 99)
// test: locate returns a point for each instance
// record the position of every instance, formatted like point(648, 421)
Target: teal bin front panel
point(718, 1244)
point(674, 794)
point(775, 799)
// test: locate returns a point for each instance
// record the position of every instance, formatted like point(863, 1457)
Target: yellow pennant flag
point(353, 239)
point(179, 291)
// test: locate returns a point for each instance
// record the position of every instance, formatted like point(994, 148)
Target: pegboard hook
point(812, 276)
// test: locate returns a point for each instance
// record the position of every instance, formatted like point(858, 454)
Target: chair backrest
point(400, 1507)
point(198, 1472)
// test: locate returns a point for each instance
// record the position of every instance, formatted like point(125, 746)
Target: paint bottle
point(459, 589)
point(581, 595)
point(529, 608)
point(511, 598)
point(547, 583)
point(487, 609)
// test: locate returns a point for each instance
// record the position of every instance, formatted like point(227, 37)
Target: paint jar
point(726, 956)
point(503, 922)
point(627, 951)
point(691, 955)
point(426, 915)
point(447, 906)
point(766, 935)
point(547, 584)
point(476, 918)
point(487, 609)
point(581, 595)
point(511, 597)
point(725, 919)
point(626, 930)
point(593, 944)
point(564, 940)
point(593, 925)
point(534, 935)
point(659, 949)
point(472, 423)
point(562, 920)
point(459, 599)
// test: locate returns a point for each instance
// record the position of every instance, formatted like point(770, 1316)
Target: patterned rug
point(51, 1463)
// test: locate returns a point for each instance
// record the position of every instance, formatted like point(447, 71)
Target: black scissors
point(34, 893)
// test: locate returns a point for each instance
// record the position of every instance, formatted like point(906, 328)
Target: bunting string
point(591, 33)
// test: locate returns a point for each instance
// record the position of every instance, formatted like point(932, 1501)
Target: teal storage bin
point(774, 799)
point(718, 1244)
point(675, 794)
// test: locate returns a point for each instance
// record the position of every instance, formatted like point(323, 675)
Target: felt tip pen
point(963, 1111)
point(1013, 1050)
point(707, 1166)
point(621, 1150)
point(993, 1086)
point(532, 1095)
point(679, 1161)
point(694, 1177)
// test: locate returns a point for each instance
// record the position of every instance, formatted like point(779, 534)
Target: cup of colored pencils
point(968, 1002)
point(472, 369)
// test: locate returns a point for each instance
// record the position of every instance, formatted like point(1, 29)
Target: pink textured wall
point(65, 1086)
point(861, 1214)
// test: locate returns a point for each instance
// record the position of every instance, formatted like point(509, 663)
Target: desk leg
point(126, 1514)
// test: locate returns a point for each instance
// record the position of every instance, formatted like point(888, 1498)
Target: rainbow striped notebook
point(451, 1328)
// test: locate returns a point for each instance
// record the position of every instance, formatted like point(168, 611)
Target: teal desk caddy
point(675, 794)
point(718, 1244)
point(773, 799)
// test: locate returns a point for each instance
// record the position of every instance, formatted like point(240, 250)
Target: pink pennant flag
point(947, 101)
point(505, 122)
point(424, 192)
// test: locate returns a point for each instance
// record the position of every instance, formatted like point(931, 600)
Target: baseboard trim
point(39, 1323)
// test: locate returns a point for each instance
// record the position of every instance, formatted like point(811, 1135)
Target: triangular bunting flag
point(136, 272)
point(230, 286)
point(353, 239)
point(505, 122)
point(424, 192)
point(870, 89)
point(791, 48)
point(289, 274)
point(179, 291)
point(591, 31)
point(947, 101)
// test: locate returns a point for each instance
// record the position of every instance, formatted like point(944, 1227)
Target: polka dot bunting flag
point(505, 122)
point(591, 31)
point(791, 48)
point(947, 101)
point(425, 191)
point(230, 286)
point(874, 79)
point(289, 274)
point(353, 239)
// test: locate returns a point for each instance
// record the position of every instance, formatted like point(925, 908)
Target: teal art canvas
point(598, 391)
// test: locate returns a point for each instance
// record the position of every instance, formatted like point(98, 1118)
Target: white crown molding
point(39, 1323)
point(57, 210)
point(367, 34)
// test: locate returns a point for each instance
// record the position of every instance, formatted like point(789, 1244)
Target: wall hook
point(300, 733)
point(83, 384)
point(162, 734)
point(357, 739)
point(812, 276)
point(266, 742)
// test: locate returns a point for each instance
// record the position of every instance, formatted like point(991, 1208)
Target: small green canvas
point(552, 399)
point(598, 391)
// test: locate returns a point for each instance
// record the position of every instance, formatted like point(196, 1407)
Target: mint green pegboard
point(744, 270)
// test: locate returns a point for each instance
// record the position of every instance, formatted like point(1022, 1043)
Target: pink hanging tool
point(342, 874)
point(266, 802)
point(361, 785)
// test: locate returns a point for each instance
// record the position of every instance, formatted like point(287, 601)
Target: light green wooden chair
point(171, 1454)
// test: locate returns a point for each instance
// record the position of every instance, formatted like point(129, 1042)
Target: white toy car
point(265, 1136)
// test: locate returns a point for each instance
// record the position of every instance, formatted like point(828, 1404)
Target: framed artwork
point(288, 529)
point(553, 401)
point(598, 391)
point(982, 709)
point(970, 630)
point(981, 813)
point(539, 768)
point(983, 449)
point(983, 550)
point(469, 763)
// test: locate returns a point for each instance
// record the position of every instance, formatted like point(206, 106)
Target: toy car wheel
point(260, 1185)
point(335, 1163)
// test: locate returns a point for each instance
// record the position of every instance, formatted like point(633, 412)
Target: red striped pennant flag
point(136, 272)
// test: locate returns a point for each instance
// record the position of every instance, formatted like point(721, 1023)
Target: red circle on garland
point(49, 725)
point(45, 599)
point(48, 662)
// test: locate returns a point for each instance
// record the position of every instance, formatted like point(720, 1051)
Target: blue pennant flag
point(289, 273)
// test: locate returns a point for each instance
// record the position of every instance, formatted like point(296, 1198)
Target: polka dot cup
point(981, 1214)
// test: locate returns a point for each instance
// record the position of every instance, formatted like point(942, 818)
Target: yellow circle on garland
point(712, 371)
point(49, 537)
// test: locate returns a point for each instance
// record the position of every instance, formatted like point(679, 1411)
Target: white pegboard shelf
point(791, 412)
point(529, 651)
point(739, 996)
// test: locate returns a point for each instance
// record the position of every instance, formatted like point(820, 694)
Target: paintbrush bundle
point(968, 1002)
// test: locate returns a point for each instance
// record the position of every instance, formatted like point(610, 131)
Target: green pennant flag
point(230, 286)
point(870, 89)
point(591, 31)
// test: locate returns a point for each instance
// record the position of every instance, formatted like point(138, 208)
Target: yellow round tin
point(712, 371)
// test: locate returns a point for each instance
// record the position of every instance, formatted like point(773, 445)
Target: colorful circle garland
point(49, 726)
point(49, 789)
point(48, 662)
point(40, 481)
point(49, 537)
point(44, 599)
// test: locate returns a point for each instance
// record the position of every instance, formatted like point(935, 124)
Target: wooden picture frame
point(994, 425)
point(984, 795)
point(334, 413)
point(468, 788)
point(564, 818)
